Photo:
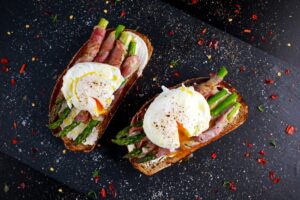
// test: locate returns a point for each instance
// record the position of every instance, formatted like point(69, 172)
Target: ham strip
point(130, 65)
point(135, 129)
point(93, 45)
point(162, 151)
point(83, 116)
point(216, 130)
point(106, 47)
point(117, 55)
point(209, 87)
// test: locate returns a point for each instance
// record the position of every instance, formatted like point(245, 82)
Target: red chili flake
point(262, 161)
point(247, 154)
point(273, 177)
point(194, 2)
point(250, 145)
point(214, 155)
point(22, 186)
point(22, 68)
point(242, 68)
point(276, 180)
point(112, 190)
point(34, 150)
point(176, 74)
point(264, 39)
point(247, 31)
point(14, 124)
point(198, 198)
point(274, 96)
point(4, 61)
point(12, 82)
point(232, 186)
point(200, 42)
point(269, 81)
point(287, 72)
point(122, 13)
point(14, 141)
point(103, 193)
point(96, 179)
point(204, 31)
point(290, 130)
point(171, 33)
point(214, 44)
point(262, 152)
point(5, 69)
point(254, 17)
point(271, 174)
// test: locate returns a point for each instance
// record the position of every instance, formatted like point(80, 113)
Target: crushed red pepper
point(269, 81)
point(14, 124)
point(290, 129)
point(274, 96)
point(262, 152)
point(214, 155)
point(200, 42)
point(176, 74)
point(122, 13)
point(171, 33)
point(262, 161)
point(273, 177)
point(12, 82)
point(254, 17)
point(112, 190)
point(247, 31)
point(247, 154)
point(287, 72)
point(103, 193)
point(4, 61)
point(14, 141)
point(193, 2)
point(204, 31)
point(22, 70)
point(214, 44)
point(5, 69)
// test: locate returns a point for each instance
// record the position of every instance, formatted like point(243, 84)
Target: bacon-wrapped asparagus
point(119, 51)
point(132, 62)
point(94, 42)
point(108, 44)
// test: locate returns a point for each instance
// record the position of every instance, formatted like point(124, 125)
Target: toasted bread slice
point(57, 94)
point(151, 167)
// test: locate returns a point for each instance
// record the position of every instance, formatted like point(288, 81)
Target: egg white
point(181, 105)
point(85, 82)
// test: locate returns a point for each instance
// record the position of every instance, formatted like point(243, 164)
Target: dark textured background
point(174, 35)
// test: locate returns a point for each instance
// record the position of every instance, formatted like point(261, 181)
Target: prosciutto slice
point(215, 130)
point(93, 45)
point(209, 87)
point(117, 55)
point(130, 65)
point(106, 47)
point(83, 116)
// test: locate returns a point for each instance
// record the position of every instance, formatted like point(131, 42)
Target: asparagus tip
point(236, 107)
point(132, 48)
point(120, 28)
point(125, 38)
point(223, 72)
point(103, 23)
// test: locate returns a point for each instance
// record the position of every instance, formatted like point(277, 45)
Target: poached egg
point(90, 86)
point(173, 112)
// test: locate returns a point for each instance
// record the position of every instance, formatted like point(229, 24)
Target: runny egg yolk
point(99, 107)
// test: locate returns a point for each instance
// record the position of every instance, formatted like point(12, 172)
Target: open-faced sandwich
point(181, 120)
point(90, 89)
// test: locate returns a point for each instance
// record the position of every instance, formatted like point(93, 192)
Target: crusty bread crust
point(151, 167)
point(119, 95)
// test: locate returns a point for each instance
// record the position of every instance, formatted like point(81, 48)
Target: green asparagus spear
point(67, 129)
point(231, 99)
point(236, 107)
point(61, 118)
point(119, 30)
point(124, 132)
point(146, 158)
point(128, 140)
point(125, 38)
point(134, 153)
point(103, 23)
point(217, 97)
point(132, 48)
point(86, 132)
point(222, 73)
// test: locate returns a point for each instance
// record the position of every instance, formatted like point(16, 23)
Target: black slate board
point(201, 176)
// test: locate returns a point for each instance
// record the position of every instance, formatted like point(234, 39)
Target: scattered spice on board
point(261, 108)
point(174, 63)
point(96, 176)
point(262, 152)
point(15, 125)
point(247, 31)
point(5, 69)
point(230, 185)
point(14, 141)
point(12, 82)
point(193, 2)
point(287, 72)
point(22, 186)
point(274, 96)
point(122, 13)
point(254, 17)
point(112, 190)
point(214, 155)
point(262, 161)
point(6, 188)
point(273, 143)
point(290, 130)
point(214, 44)
point(269, 81)
point(200, 42)
point(22, 70)
point(171, 33)
point(247, 154)
point(103, 193)
point(273, 177)
point(4, 61)
point(176, 74)
point(249, 145)
point(204, 31)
